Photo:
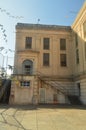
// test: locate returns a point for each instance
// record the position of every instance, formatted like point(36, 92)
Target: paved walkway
point(42, 117)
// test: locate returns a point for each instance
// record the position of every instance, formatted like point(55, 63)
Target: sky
point(50, 12)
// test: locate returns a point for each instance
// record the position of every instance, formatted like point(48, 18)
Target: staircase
point(73, 99)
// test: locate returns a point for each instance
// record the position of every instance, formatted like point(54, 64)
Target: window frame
point(46, 43)
point(25, 84)
point(63, 61)
point(28, 43)
point(77, 56)
point(62, 44)
point(46, 59)
point(76, 39)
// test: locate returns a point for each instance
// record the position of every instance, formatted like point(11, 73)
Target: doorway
point(42, 95)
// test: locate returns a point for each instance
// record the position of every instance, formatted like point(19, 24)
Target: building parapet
point(42, 27)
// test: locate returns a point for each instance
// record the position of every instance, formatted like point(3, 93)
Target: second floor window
point(62, 44)
point(46, 42)
point(63, 61)
point(46, 59)
point(28, 43)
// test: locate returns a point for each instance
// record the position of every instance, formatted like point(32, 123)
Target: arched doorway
point(27, 67)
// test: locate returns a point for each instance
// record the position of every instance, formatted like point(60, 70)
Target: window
point(63, 61)
point(28, 44)
point(85, 50)
point(62, 44)
point(46, 42)
point(77, 56)
point(25, 83)
point(27, 67)
point(84, 29)
point(79, 89)
point(76, 39)
point(46, 59)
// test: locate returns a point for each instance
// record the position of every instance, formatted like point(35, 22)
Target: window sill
point(24, 87)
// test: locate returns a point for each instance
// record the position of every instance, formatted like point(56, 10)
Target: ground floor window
point(25, 83)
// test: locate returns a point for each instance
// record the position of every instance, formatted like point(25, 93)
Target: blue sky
point(54, 12)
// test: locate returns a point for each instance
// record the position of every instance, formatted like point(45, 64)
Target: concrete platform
point(42, 117)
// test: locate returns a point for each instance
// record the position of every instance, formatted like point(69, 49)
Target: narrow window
point(46, 42)
point(63, 61)
point(62, 44)
point(84, 29)
point(77, 56)
point(28, 43)
point(79, 89)
point(85, 50)
point(46, 59)
point(76, 39)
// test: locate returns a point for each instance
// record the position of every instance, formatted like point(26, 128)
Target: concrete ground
point(42, 117)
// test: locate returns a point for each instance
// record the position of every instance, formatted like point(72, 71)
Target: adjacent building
point(50, 63)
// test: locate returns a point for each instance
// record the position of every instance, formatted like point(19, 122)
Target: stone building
point(50, 63)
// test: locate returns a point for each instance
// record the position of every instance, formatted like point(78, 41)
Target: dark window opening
point(63, 61)
point(27, 69)
point(46, 59)
point(77, 56)
point(79, 89)
point(28, 44)
point(46, 42)
point(76, 39)
point(62, 44)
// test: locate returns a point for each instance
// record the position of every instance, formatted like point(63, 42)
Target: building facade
point(79, 27)
point(49, 64)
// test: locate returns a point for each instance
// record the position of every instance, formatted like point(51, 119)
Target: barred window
point(46, 43)
point(25, 83)
point(28, 43)
point(63, 60)
point(46, 59)
point(62, 44)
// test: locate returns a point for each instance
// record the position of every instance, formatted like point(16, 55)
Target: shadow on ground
point(46, 106)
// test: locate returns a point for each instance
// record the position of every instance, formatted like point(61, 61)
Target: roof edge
point(79, 14)
point(41, 26)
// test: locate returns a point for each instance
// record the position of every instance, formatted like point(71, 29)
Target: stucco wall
point(37, 50)
point(82, 90)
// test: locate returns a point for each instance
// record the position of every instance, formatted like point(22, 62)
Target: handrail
point(52, 83)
